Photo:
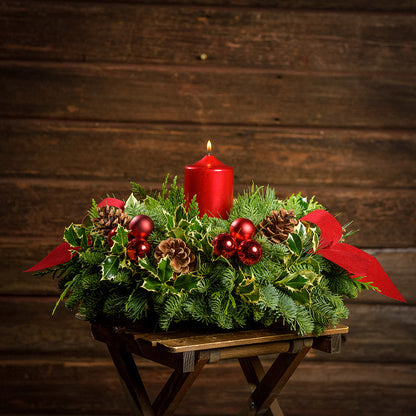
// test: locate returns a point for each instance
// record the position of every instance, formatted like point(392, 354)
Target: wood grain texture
point(331, 5)
point(378, 333)
point(71, 199)
point(304, 95)
point(166, 94)
point(45, 387)
point(278, 155)
point(229, 37)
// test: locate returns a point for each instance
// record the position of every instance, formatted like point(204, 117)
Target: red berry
point(242, 229)
point(141, 226)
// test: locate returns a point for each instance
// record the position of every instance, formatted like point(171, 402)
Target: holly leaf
point(82, 234)
point(146, 264)
point(301, 229)
point(314, 264)
point(152, 284)
point(185, 282)
point(170, 220)
point(299, 280)
point(316, 241)
point(71, 236)
point(178, 232)
point(164, 270)
point(110, 267)
point(180, 214)
point(132, 206)
point(294, 243)
point(303, 297)
point(120, 240)
point(297, 283)
point(248, 290)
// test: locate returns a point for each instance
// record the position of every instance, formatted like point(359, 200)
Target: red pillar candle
point(212, 182)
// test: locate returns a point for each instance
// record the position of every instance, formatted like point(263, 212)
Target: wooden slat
point(246, 97)
point(43, 386)
point(30, 327)
point(16, 260)
point(56, 204)
point(179, 343)
point(336, 157)
point(236, 37)
point(377, 332)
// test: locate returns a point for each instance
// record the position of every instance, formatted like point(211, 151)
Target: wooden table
point(187, 353)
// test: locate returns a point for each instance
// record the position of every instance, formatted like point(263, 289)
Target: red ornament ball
point(141, 226)
point(249, 252)
point(224, 245)
point(242, 229)
point(110, 236)
point(138, 248)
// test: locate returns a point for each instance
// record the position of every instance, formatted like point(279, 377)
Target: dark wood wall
point(311, 96)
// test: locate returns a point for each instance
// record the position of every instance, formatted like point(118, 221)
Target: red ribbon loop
point(355, 261)
point(62, 253)
point(111, 202)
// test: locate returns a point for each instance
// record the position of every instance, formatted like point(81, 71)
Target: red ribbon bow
point(64, 251)
point(352, 259)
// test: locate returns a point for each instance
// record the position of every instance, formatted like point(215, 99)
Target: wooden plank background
point(310, 96)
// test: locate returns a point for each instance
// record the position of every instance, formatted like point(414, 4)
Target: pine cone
point(109, 218)
point(181, 257)
point(278, 225)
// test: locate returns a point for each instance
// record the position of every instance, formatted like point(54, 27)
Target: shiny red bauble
point(224, 245)
point(138, 248)
point(110, 236)
point(249, 252)
point(141, 226)
point(242, 229)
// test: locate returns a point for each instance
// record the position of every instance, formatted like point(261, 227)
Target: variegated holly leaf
point(299, 280)
point(186, 282)
point(71, 236)
point(295, 244)
point(132, 206)
point(120, 240)
point(163, 272)
point(110, 267)
point(248, 290)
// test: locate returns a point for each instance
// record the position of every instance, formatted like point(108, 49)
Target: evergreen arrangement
point(177, 269)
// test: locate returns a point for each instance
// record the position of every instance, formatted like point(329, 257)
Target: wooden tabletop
point(181, 341)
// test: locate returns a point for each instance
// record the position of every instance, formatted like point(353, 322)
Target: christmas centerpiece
point(193, 256)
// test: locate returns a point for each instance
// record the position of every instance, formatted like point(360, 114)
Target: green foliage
point(291, 284)
point(255, 203)
point(136, 304)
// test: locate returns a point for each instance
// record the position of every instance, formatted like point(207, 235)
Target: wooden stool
point(187, 352)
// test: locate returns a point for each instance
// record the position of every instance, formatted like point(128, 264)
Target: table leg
point(254, 372)
point(276, 377)
point(175, 389)
point(131, 381)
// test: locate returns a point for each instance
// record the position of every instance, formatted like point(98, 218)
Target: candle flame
point(209, 147)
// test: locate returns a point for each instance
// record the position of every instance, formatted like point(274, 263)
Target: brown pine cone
point(181, 257)
point(109, 218)
point(278, 225)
